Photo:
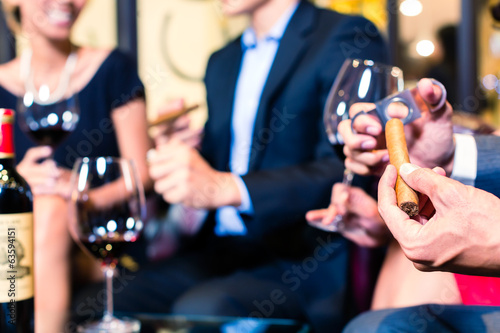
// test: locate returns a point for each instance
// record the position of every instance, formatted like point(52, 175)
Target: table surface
point(157, 323)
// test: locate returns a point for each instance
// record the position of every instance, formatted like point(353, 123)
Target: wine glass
point(45, 120)
point(107, 211)
point(358, 81)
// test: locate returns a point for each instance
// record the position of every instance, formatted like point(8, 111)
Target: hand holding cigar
point(172, 115)
point(398, 154)
point(171, 123)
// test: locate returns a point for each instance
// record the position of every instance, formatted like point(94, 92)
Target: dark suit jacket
point(488, 163)
point(292, 165)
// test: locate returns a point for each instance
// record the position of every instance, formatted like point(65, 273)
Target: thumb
point(402, 227)
point(430, 92)
point(425, 181)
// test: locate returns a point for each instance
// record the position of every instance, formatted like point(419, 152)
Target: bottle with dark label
point(16, 238)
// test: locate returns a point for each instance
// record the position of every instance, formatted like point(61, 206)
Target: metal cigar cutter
point(410, 98)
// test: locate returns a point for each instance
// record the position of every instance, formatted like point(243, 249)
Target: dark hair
point(16, 13)
point(12, 16)
point(495, 12)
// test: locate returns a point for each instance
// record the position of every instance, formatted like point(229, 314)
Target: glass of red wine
point(46, 121)
point(358, 81)
point(107, 211)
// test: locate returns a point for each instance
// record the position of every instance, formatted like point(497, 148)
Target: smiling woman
point(52, 19)
point(111, 103)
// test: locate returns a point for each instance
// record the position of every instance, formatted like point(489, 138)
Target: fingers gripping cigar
point(398, 154)
point(171, 116)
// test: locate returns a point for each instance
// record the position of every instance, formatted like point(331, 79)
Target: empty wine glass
point(107, 211)
point(358, 81)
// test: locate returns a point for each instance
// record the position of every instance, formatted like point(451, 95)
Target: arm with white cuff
point(465, 159)
point(477, 161)
point(246, 206)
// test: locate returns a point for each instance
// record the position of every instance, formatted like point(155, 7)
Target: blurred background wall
point(96, 25)
point(176, 37)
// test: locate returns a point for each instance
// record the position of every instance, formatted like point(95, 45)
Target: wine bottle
point(16, 238)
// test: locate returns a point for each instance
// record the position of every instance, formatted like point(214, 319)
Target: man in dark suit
point(264, 162)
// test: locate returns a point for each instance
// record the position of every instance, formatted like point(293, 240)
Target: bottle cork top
point(6, 133)
point(7, 115)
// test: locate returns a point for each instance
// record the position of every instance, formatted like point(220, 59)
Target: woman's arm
point(132, 135)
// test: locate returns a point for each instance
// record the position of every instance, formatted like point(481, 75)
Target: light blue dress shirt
point(257, 60)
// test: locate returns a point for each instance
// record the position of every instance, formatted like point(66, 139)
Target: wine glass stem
point(108, 308)
point(347, 182)
point(348, 176)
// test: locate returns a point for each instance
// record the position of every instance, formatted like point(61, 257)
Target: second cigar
point(398, 155)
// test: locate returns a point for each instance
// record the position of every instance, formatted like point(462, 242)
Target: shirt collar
point(249, 39)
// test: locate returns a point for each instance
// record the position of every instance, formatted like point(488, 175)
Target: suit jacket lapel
point(225, 106)
point(293, 45)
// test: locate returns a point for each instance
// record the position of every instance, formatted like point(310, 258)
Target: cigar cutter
point(409, 98)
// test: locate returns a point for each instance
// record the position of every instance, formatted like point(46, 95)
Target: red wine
point(49, 136)
point(16, 239)
point(108, 251)
point(105, 233)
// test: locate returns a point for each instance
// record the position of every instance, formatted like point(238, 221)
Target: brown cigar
point(398, 154)
point(172, 115)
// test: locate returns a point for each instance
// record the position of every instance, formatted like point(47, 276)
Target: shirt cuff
point(465, 160)
point(246, 206)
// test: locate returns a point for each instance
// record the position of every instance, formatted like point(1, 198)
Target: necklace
point(44, 96)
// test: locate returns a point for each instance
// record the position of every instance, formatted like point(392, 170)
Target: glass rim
point(372, 64)
point(364, 66)
point(92, 162)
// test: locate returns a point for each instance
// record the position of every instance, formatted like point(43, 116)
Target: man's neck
point(265, 16)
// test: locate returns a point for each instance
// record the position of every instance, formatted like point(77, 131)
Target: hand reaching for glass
point(358, 81)
point(429, 138)
point(430, 142)
point(361, 224)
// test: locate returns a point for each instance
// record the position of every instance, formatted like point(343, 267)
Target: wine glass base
point(333, 227)
point(113, 325)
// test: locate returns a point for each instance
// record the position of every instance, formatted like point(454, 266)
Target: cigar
point(398, 154)
point(172, 115)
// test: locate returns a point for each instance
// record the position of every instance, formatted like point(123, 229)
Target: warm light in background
point(425, 48)
point(410, 7)
point(374, 10)
point(490, 82)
